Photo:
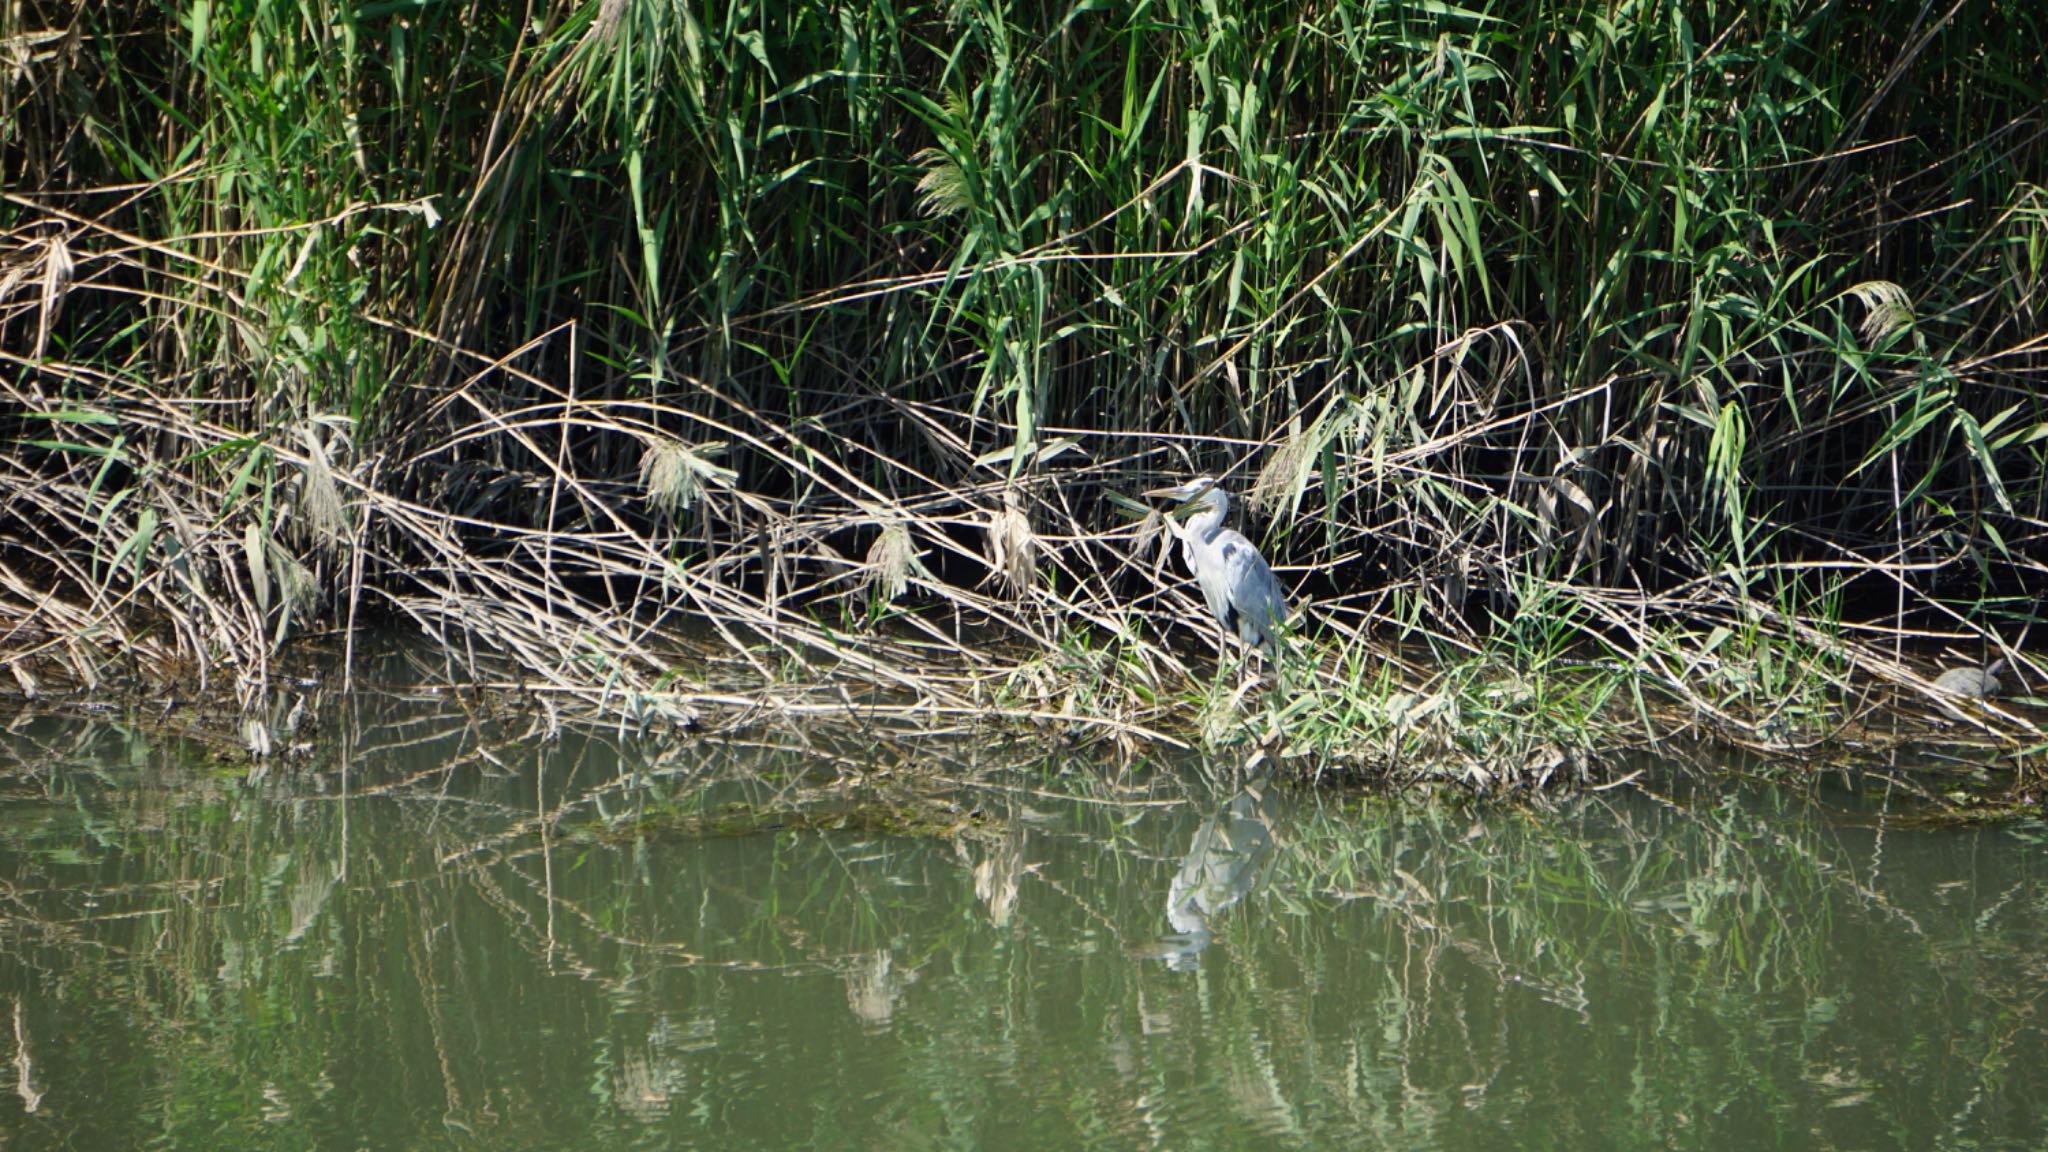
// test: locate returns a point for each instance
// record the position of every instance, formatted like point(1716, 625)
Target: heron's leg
point(1248, 668)
point(1244, 689)
point(1224, 661)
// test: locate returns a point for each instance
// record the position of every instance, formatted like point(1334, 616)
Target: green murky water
point(442, 933)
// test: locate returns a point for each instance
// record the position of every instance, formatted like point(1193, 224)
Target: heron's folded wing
point(1254, 592)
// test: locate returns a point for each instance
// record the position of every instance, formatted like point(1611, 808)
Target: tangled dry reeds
point(1604, 395)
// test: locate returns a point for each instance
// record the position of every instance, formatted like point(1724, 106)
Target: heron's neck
point(1208, 520)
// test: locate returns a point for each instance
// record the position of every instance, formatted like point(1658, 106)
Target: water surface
point(446, 931)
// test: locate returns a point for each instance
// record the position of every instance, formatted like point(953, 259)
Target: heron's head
point(1201, 496)
point(1186, 489)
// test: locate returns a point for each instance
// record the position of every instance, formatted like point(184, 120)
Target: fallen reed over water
point(1591, 375)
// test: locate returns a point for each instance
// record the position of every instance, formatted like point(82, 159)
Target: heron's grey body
point(1236, 582)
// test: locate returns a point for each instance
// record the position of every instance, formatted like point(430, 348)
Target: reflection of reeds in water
point(309, 896)
point(874, 987)
point(999, 875)
point(26, 1083)
point(639, 1086)
point(1410, 970)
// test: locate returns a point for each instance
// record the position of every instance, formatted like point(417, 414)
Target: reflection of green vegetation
point(590, 945)
point(877, 815)
point(1706, 953)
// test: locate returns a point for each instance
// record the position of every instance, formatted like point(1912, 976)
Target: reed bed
point(1595, 373)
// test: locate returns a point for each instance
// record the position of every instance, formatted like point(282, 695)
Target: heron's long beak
point(1183, 491)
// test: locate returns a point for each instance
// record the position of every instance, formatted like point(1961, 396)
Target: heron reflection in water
point(1225, 862)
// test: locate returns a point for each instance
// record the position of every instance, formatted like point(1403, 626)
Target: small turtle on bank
point(1973, 682)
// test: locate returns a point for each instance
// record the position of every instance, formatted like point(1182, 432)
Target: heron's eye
point(1229, 550)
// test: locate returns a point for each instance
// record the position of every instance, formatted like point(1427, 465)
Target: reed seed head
point(676, 475)
point(319, 496)
point(1012, 545)
point(891, 559)
point(944, 189)
point(1890, 309)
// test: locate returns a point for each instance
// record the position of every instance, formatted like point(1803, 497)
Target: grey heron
point(1236, 581)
